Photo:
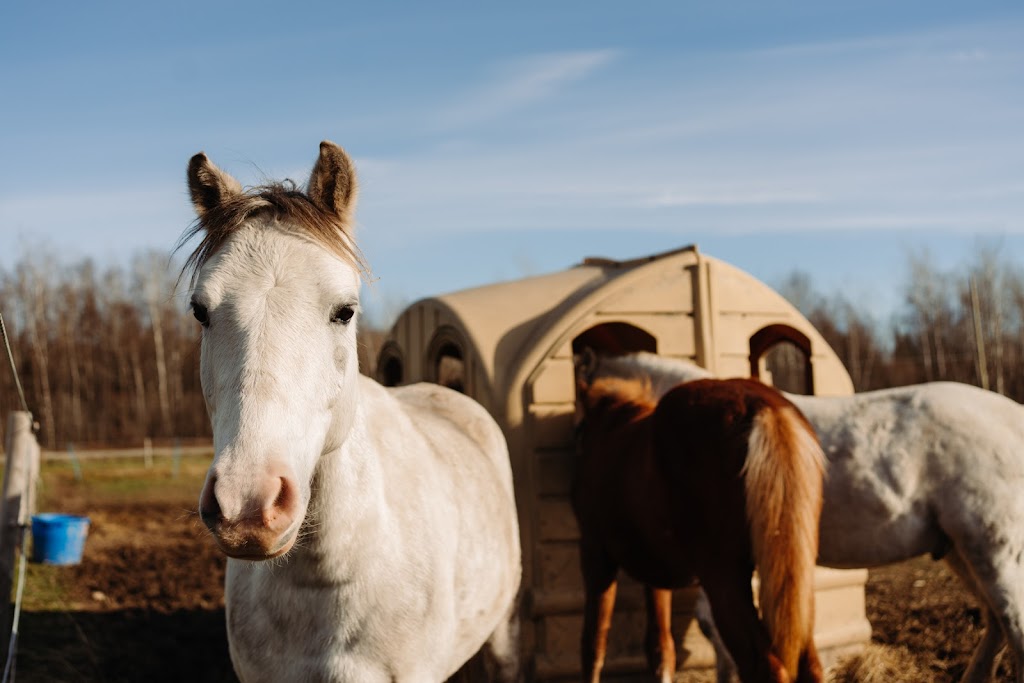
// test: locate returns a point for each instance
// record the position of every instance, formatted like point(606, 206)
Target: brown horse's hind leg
point(661, 647)
point(810, 666)
point(597, 620)
point(732, 604)
point(600, 587)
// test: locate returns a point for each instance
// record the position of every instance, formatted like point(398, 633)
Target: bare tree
point(988, 301)
point(928, 299)
point(151, 272)
point(34, 292)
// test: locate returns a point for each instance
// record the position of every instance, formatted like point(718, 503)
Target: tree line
point(110, 355)
point(106, 356)
point(963, 324)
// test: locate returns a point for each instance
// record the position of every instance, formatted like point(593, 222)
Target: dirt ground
point(146, 604)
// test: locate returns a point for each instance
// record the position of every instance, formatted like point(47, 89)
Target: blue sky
point(501, 140)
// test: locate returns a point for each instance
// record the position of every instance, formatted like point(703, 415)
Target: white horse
point(932, 468)
point(390, 512)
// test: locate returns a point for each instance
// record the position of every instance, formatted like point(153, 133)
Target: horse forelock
point(280, 202)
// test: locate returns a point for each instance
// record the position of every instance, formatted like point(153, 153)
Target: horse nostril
point(209, 517)
point(209, 508)
point(286, 495)
point(282, 501)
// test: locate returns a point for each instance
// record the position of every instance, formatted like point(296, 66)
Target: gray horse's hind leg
point(503, 662)
point(725, 668)
point(983, 660)
point(997, 574)
point(982, 664)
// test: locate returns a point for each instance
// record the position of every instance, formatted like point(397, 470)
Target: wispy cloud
point(522, 83)
point(737, 197)
point(977, 41)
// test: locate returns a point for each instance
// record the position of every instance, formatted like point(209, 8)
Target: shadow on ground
point(125, 645)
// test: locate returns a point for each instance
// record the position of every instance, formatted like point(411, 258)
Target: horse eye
point(341, 315)
point(201, 314)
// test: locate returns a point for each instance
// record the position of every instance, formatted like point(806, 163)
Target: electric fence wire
point(14, 369)
point(12, 647)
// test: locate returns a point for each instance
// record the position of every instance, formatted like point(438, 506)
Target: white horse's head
point(276, 289)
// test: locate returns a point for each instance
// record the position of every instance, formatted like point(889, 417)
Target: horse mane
point(661, 373)
point(634, 395)
point(280, 201)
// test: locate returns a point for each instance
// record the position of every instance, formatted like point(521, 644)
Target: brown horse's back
point(620, 498)
point(701, 432)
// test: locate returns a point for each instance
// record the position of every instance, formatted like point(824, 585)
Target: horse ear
point(208, 185)
point(586, 366)
point(332, 185)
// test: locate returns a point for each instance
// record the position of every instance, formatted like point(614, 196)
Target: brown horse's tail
point(783, 484)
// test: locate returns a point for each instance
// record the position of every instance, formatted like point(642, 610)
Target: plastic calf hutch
point(510, 346)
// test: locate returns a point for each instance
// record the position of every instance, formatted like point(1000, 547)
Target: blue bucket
point(58, 539)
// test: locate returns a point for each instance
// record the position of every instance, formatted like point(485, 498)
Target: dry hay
point(878, 664)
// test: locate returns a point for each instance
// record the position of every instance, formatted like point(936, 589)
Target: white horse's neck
point(347, 508)
point(663, 372)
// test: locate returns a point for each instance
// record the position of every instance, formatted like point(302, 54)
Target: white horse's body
point(391, 511)
point(387, 586)
point(932, 468)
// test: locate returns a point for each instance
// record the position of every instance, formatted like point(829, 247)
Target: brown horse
point(719, 477)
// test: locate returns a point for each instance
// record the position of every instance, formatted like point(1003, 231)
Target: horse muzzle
point(255, 527)
point(245, 540)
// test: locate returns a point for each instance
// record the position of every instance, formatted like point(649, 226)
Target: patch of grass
point(66, 486)
point(46, 588)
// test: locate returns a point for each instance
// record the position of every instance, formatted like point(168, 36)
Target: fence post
point(147, 452)
point(75, 465)
point(176, 466)
point(19, 501)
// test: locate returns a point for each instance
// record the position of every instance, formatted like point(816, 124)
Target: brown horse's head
point(608, 402)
